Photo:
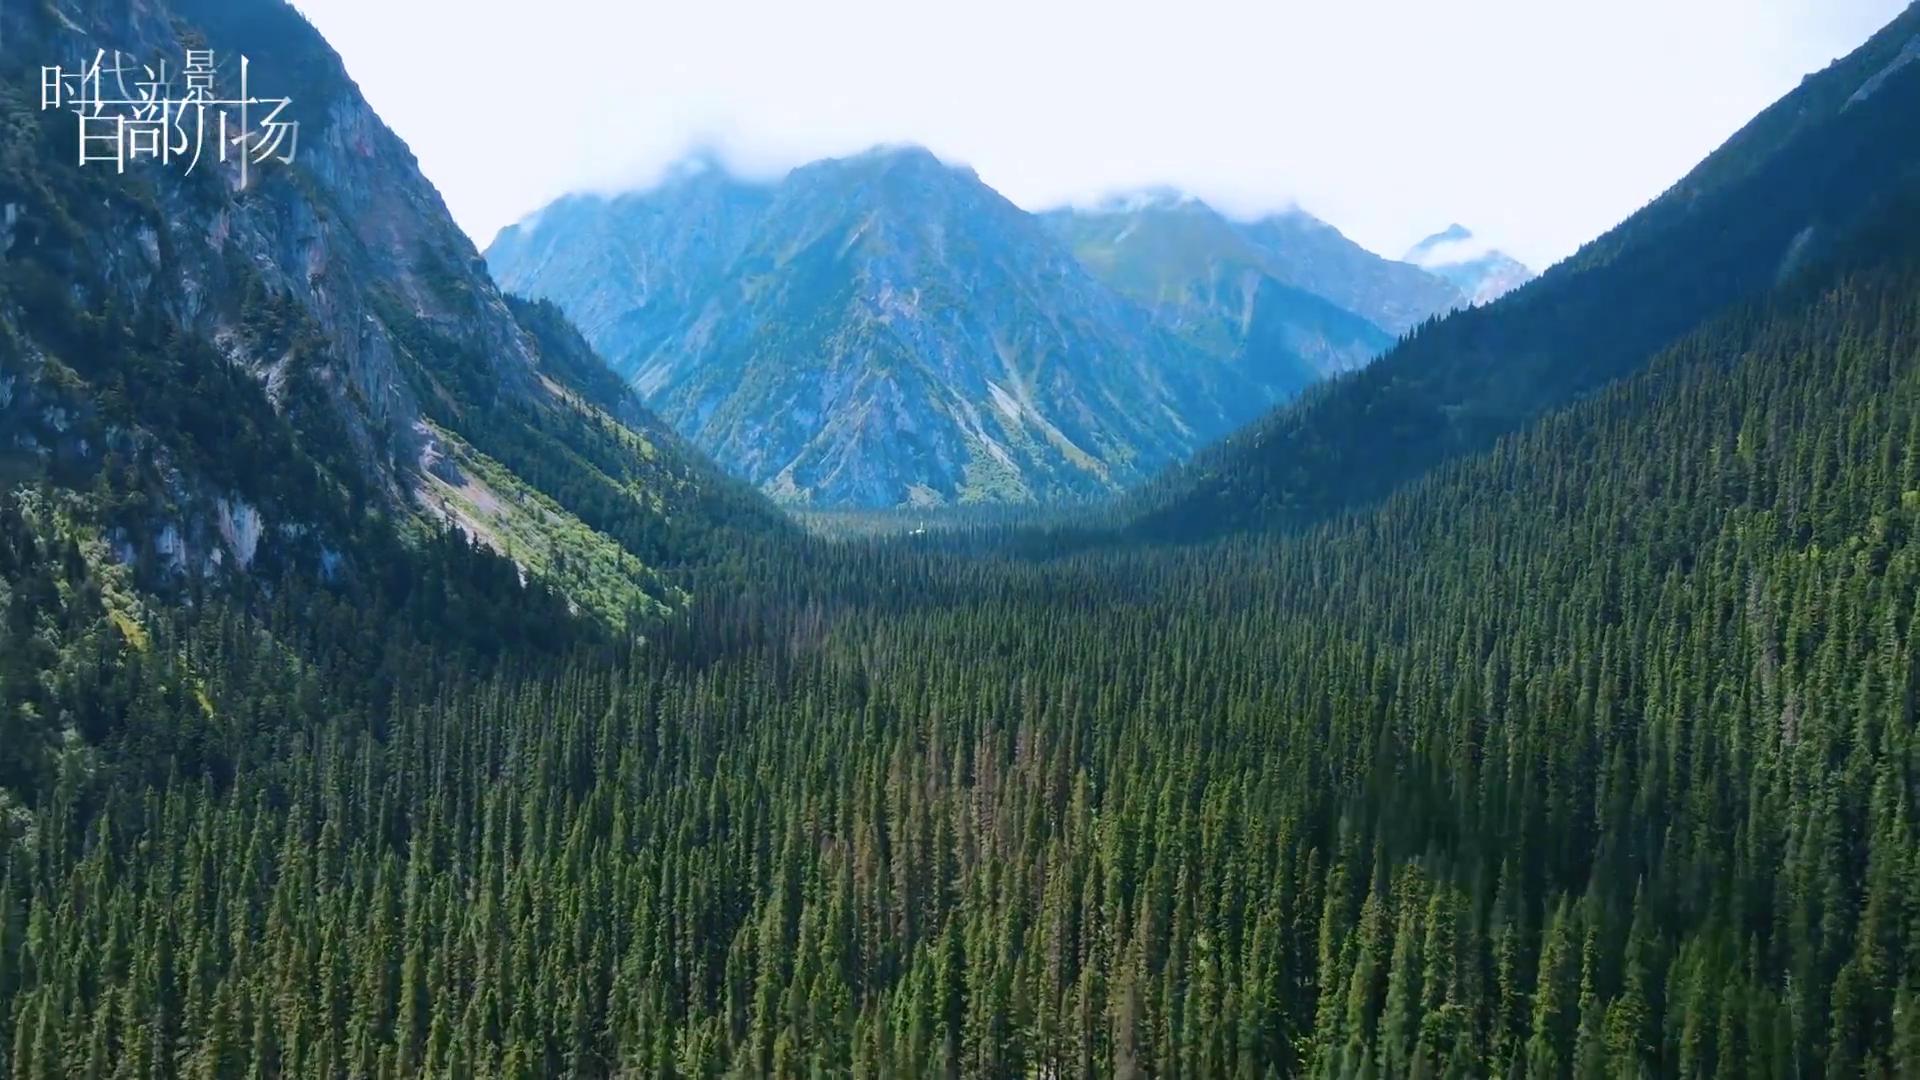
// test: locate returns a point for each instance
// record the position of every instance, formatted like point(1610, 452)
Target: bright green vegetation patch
point(498, 509)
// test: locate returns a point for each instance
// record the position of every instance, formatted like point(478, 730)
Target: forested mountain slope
point(288, 375)
point(1789, 186)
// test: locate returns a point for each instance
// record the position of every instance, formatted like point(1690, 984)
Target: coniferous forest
point(1593, 755)
point(1593, 752)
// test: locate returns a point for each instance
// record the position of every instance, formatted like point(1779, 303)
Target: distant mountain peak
point(1454, 244)
point(883, 328)
point(1153, 239)
point(904, 156)
point(1138, 200)
point(1297, 216)
point(1483, 272)
point(701, 161)
point(896, 152)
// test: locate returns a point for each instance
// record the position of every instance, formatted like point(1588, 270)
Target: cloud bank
point(1538, 124)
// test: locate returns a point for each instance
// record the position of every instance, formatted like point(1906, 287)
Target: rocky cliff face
point(312, 343)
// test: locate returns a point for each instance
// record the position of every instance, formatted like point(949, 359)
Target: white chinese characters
point(130, 112)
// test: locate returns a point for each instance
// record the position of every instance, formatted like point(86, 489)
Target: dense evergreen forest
point(1590, 755)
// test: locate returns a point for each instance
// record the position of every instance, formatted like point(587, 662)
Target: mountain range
point(887, 330)
point(877, 330)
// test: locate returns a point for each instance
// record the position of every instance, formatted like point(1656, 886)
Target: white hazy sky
point(1537, 123)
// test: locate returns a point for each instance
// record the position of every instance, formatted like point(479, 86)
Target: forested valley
point(1592, 755)
point(385, 692)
